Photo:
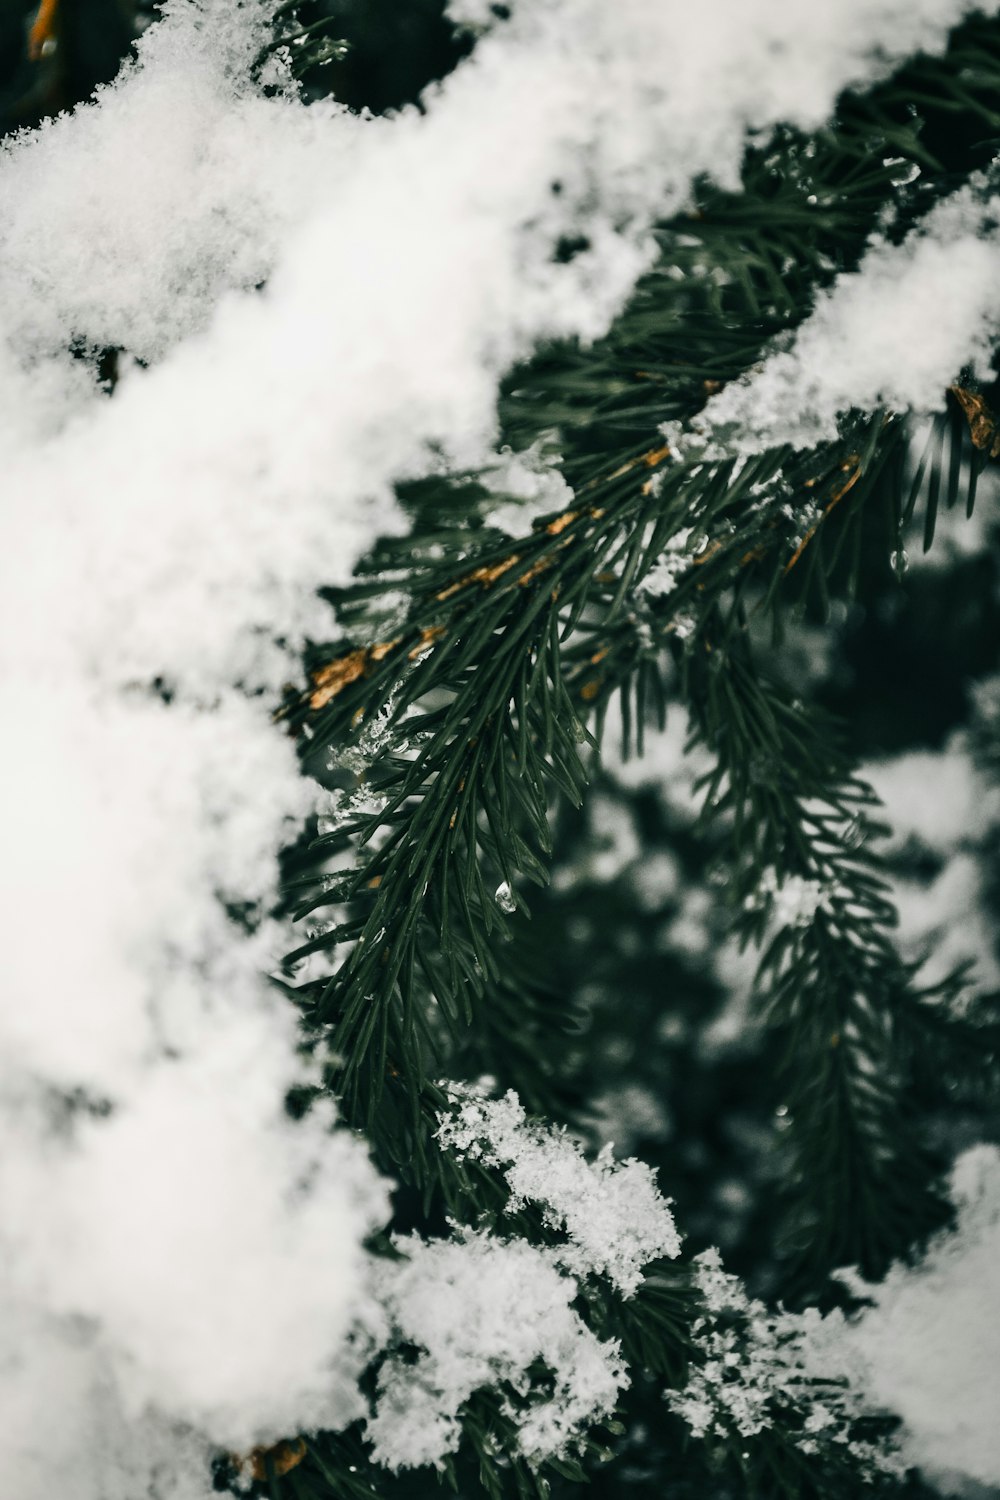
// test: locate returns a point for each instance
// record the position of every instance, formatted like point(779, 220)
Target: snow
point(700, 927)
point(755, 1369)
point(527, 485)
point(670, 567)
point(631, 1112)
point(930, 1343)
point(949, 922)
point(894, 333)
point(157, 1205)
point(125, 223)
point(937, 797)
point(666, 762)
point(162, 548)
point(99, 1448)
point(611, 1212)
point(793, 902)
point(958, 537)
point(482, 1311)
point(129, 221)
point(940, 802)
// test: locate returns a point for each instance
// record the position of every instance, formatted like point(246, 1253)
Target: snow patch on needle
point(611, 1212)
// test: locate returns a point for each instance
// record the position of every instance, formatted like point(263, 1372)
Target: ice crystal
point(611, 1212)
point(481, 1312)
point(754, 1369)
point(505, 898)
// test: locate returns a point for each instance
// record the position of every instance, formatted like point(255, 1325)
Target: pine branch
point(475, 721)
point(739, 269)
point(830, 983)
point(472, 715)
point(449, 733)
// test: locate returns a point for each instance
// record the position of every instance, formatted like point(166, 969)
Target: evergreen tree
point(597, 855)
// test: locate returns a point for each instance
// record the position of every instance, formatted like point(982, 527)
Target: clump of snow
point(481, 1312)
point(128, 823)
point(192, 1254)
point(669, 568)
point(942, 803)
point(756, 1369)
point(67, 1428)
point(528, 485)
point(938, 797)
point(430, 234)
point(792, 902)
point(857, 348)
point(124, 224)
point(613, 1216)
point(930, 1343)
point(202, 1245)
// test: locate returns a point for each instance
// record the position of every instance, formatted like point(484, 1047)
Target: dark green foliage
point(833, 991)
point(738, 269)
point(370, 54)
point(464, 706)
point(92, 38)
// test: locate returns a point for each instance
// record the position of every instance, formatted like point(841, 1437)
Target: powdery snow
point(754, 1369)
point(940, 802)
point(931, 1341)
point(482, 1311)
point(613, 1216)
point(894, 333)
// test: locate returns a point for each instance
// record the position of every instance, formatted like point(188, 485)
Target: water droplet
point(906, 171)
point(504, 897)
point(899, 562)
point(854, 833)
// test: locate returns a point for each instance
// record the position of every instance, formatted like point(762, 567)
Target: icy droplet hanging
point(504, 897)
